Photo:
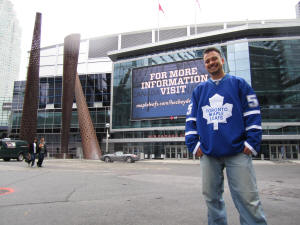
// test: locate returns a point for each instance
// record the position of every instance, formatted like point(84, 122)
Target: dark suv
point(13, 149)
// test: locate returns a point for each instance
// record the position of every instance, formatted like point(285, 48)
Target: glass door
point(185, 152)
point(167, 152)
point(295, 152)
point(287, 152)
point(176, 152)
point(173, 152)
point(273, 152)
point(283, 151)
point(179, 152)
point(170, 151)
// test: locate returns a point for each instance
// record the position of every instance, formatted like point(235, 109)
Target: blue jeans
point(40, 159)
point(242, 184)
point(32, 159)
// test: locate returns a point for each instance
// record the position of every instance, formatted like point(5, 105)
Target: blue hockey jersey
point(223, 118)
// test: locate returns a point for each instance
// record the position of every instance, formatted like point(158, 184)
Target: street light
point(107, 125)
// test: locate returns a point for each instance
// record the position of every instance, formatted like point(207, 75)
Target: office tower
point(297, 7)
point(10, 51)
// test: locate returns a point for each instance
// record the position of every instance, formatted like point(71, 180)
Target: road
point(84, 192)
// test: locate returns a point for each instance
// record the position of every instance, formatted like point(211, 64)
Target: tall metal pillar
point(90, 145)
point(71, 52)
point(30, 105)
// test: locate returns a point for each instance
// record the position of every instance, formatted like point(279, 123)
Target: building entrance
point(176, 152)
point(283, 151)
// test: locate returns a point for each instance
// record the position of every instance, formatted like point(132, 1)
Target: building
point(10, 46)
point(297, 8)
point(265, 53)
point(96, 88)
point(5, 113)
point(10, 53)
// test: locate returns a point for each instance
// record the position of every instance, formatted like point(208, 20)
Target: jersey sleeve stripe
point(251, 112)
point(250, 147)
point(191, 119)
point(254, 127)
point(191, 132)
point(196, 148)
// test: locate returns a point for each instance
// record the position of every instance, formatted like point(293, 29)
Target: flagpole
point(159, 9)
point(195, 17)
point(157, 21)
point(197, 6)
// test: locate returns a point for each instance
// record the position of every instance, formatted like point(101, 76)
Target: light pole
point(107, 135)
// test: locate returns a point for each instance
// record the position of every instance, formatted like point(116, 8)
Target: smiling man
point(223, 128)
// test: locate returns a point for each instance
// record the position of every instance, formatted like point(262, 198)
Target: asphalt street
point(84, 192)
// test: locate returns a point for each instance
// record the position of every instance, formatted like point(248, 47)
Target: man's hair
point(212, 49)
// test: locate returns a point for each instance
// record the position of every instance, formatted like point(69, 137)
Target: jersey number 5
point(252, 101)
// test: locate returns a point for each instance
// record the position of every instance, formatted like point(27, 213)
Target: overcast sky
point(93, 18)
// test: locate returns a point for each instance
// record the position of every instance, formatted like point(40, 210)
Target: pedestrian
point(282, 152)
point(42, 152)
point(33, 149)
point(223, 128)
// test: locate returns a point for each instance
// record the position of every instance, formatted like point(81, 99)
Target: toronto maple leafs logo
point(217, 112)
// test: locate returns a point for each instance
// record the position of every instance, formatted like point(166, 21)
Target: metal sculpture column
point(71, 52)
point(30, 105)
point(90, 145)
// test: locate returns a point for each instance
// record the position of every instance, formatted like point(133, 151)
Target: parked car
point(13, 149)
point(120, 156)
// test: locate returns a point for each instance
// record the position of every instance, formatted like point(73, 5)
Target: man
point(42, 151)
point(33, 147)
point(223, 128)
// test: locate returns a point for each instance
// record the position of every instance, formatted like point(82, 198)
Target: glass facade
point(96, 88)
point(5, 114)
point(275, 69)
point(271, 67)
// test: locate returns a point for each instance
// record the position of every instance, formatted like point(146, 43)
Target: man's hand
point(199, 152)
point(247, 151)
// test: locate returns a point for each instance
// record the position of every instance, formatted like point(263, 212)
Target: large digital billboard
point(165, 90)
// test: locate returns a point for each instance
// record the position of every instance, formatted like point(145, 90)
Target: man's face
point(213, 63)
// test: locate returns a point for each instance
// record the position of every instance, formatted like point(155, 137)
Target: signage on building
point(164, 91)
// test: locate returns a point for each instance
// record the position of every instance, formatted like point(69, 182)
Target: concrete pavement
point(149, 192)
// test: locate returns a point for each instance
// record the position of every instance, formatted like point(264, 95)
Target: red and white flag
point(197, 1)
point(160, 8)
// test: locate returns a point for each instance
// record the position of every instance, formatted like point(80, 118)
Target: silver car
point(120, 156)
